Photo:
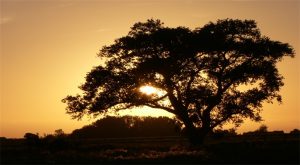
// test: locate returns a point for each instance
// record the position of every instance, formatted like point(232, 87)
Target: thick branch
point(189, 85)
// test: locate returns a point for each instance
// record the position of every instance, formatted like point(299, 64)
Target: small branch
point(155, 105)
point(160, 98)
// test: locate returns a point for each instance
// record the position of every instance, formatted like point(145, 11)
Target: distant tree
point(200, 74)
point(31, 136)
point(262, 129)
point(56, 141)
point(32, 139)
point(295, 132)
point(59, 133)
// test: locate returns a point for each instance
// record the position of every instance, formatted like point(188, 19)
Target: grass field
point(283, 149)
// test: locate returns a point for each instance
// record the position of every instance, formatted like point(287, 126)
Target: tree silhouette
point(200, 73)
point(262, 129)
point(32, 139)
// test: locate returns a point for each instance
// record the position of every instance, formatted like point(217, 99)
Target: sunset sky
point(48, 46)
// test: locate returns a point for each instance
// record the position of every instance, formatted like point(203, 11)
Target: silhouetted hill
point(128, 126)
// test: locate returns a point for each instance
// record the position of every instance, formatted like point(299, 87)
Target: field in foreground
point(283, 149)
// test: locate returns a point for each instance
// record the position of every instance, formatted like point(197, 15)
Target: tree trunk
point(196, 136)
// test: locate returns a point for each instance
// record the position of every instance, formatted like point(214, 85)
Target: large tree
point(219, 73)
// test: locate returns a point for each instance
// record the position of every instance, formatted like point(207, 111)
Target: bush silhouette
point(32, 139)
point(128, 126)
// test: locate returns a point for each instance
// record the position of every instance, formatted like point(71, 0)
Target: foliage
point(201, 74)
point(262, 129)
point(59, 133)
point(32, 139)
point(295, 132)
point(31, 136)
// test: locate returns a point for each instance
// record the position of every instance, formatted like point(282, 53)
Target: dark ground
point(283, 149)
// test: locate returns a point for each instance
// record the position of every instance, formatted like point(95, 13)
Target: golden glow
point(146, 111)
point(47, 47)
point(149, 90)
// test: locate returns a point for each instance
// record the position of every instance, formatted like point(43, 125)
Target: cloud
point(5, 20)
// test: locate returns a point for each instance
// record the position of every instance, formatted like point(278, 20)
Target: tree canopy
point(201, 74)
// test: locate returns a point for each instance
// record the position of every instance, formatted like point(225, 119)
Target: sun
point(148, 90)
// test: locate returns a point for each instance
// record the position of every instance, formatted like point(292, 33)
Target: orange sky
point(47, 47)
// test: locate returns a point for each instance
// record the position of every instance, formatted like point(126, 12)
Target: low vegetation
point(260, 146)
